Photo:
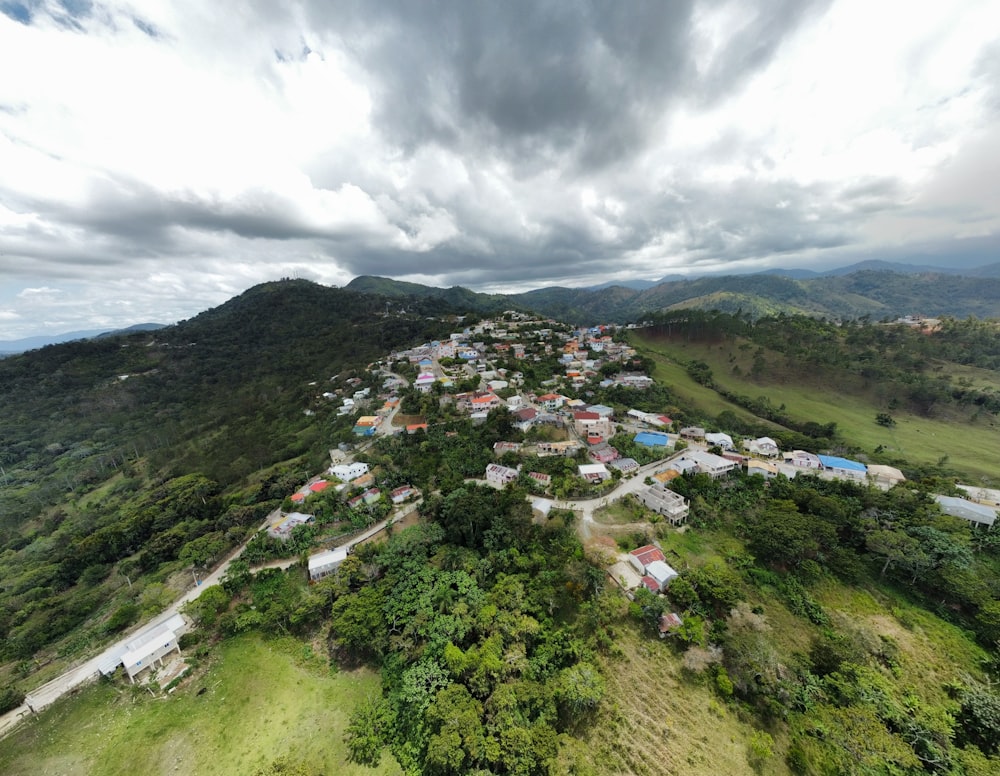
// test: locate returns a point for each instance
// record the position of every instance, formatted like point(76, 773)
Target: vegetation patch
point(257, 702)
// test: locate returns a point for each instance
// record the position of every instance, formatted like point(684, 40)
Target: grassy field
point(659, 719)
point(966, 444)
point(257, 701)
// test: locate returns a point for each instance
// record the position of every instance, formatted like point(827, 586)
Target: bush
point(10, 698)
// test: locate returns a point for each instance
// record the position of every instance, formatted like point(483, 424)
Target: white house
point(765, 447)
point(345, 472)
point(720, 440)
point(709, 463)
point(498, 476)
point(323, 564)
point(150, 647)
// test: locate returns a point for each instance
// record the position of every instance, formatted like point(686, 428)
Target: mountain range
point(877, 290)
point(10, 347)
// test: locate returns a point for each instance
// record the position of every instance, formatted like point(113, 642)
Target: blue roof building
point(843, 467)
point(652, 439)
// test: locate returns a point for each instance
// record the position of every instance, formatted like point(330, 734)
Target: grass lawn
point(262, 700)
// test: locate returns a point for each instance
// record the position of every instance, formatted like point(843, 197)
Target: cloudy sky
point(160, 156)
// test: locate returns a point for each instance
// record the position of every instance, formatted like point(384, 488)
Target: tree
point(885, 419)
point(895, 546)
point(368, 731)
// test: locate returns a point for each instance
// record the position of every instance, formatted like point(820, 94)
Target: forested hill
point(128, 454)
point(876, 294)
point(185, 395)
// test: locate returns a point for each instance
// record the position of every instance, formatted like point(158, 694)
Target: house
point(400, 494)
point(652, 439)
point(363, 481)
point(282, 529)
point(371, 495)
point(625, 465)
point(602, 410)
point(720, 440)
point(514, 402)
point(970, 511)
point(349, 471)
point(709, 463)
point(658, 497)
point(803, 460)
point(693, 433)
point(541, 507)
point(319, 486)
point(885, 476)
point(636, 381)
point(844, 468)
point(498, 476)
point(640, 557)
point(764, 447)
point(524, 418)
point(364, 431)
point(767, 469)
point(551, 401)
point(486, 402)
point(413, 428)
point(499, 448)
point(424, 382)
point(650, 418)
point(594, 472)
point(145, 649)
point(603, 453)
point(541, 478)
point(152, 646)
point(323, 564)
point(564, 449)
point(662, 573)
point(590, 424)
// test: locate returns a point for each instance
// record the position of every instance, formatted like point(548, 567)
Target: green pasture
point(963, 442)
point(257, 701)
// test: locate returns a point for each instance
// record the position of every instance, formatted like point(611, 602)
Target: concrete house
point(658, 497)
point(148, 649)
point(349, 471)
point(499, 476)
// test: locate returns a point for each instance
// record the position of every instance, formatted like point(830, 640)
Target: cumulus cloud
point(161, 158)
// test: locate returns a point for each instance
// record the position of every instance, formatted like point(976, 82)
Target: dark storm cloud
point(538, 82)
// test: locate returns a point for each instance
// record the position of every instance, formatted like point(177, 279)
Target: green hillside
point(876, 294)
point(784, 373)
